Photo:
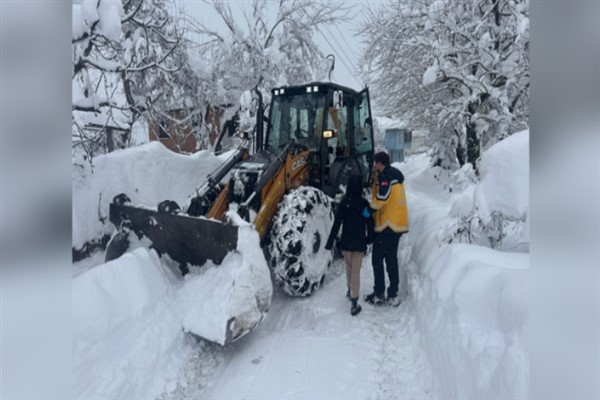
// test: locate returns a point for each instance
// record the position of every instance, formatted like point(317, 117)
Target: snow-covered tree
point(457, 68)
point(168, 93)
point(265, 48)
point(129, 59)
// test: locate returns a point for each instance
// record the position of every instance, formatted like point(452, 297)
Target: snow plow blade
point(186, 239)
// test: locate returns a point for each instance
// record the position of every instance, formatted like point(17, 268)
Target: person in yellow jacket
point(390, 213)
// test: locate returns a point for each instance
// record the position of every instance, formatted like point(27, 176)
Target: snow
point(390, 123)
point(110, 13)
point(148, 174)
point(431, 75)
point(78, 21)
point(244, 292)
point(505, 177)
point(461, 332)
point(130, 315)
point(471, 302)
point(125, 327)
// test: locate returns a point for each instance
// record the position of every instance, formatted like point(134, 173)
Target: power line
point(355, 57)
point(339, 46)
point(341, 59)
point(345, 41)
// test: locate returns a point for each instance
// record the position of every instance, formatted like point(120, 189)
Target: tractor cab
point(333, 122)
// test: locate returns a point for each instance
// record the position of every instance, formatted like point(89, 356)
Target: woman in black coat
point(357, 232)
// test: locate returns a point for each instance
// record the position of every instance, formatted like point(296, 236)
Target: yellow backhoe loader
point(283, 180)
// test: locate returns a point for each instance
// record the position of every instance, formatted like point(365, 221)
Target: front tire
point(297, 249)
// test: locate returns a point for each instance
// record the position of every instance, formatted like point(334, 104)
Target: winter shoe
point(394, 301)
point(375, 299)
point(356, 308)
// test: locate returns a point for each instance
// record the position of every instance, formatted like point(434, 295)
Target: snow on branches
point(494, 211)
point(271, 44)
point(129, 60)
point(456, 68)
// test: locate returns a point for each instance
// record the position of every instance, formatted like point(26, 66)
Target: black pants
point(385, 247)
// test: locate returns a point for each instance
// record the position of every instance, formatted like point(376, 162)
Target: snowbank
point(504, 183)
point(130, 316)
point(126, 329)
point(470, 301)
point(495, 211)
point(471, 308)
point(148, 174)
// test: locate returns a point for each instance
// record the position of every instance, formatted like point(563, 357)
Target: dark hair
point(383, 158)
point(354, 186)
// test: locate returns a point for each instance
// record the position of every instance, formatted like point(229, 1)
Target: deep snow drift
point(471, 302)
point(461, 332)
point(130, 316)
point(148, 174)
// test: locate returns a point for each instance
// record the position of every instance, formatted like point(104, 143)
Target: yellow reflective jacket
point(389, 201)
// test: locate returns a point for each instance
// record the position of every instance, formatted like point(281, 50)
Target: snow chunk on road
point(225, 302)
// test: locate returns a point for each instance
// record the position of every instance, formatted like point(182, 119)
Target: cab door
point(363, 140)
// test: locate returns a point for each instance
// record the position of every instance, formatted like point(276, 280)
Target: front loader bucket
point(186, 239)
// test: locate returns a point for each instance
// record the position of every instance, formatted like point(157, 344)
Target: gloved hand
point(328, 246)
point(366, 212)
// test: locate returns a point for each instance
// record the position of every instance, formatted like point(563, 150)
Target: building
point(417, 144)
point(397, 140)
point(393, 136)
point(179, 131)
point(103, 131)
point(175, 132)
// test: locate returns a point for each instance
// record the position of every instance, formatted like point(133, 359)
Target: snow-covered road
point(313, 348)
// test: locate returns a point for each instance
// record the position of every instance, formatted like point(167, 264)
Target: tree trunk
point(135, 112)
point(110, 144)
point(473, 151)
point(460, 150)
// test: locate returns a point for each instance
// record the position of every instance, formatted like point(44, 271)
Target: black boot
point(355, 309)
point(375, 298)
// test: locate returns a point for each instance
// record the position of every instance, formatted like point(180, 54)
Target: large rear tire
point(297, 249)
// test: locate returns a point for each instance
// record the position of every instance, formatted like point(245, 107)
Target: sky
point(459, 333)
point(339, 39)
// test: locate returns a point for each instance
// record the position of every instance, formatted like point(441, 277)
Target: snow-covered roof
point(390, 123)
